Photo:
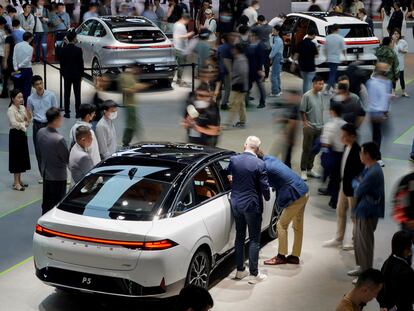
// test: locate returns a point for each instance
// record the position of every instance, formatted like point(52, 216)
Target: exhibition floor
point(317, 284)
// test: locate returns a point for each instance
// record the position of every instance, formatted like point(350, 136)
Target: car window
point(85, 28)
point(202, 187)
point(288, 24)
point(106, 195)
point(222, 169)
point(141, 36)
point(99, 31)
point(353, 31)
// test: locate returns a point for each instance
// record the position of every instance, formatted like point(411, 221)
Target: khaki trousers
point(237, 107)
point(344, 203)
point(293, 213)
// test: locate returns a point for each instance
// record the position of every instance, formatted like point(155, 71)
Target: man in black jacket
point(351, 167)
point(398, 290)
point(71, 66)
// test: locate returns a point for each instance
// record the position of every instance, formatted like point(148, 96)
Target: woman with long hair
point(400, 48)
point(19, 118)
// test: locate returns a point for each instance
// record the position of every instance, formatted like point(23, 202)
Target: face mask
point(113, 115)
point(339, 98)
point(201, 104)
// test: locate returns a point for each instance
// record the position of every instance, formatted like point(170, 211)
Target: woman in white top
point(400, 48)
point(386, 13)
point(19, 118)
point(211, 24)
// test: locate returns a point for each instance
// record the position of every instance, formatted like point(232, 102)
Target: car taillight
point(121, 47)
point(146, 246)
point(376, 41)
point(321, 41)
point(163, 46)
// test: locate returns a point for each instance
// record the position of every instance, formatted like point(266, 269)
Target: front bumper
point(107, 285)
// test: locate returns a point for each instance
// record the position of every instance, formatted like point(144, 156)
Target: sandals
point(18, 187)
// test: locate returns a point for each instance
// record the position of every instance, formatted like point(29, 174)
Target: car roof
point(125, 21)
point(329, 18)
point(177, 154)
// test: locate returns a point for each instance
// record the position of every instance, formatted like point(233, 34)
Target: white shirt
point(344, 159)
point(331, 134)
point(39, 25)
point(401, 48)
point(276, 21)
point(211, 25)
point(22, 56)
point(251, 13)
point(106, 136)
point(94, 148)
point(180, 42)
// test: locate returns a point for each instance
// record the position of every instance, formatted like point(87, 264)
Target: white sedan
point(143, 223)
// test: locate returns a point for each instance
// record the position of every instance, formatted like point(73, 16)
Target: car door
point(286, 33)
point(84, 39)
point(221, 168)
point(95, 41)
point(203, 195)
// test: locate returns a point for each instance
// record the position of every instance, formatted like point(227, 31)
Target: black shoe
point(261, 106)
point(323, 191)
point(240, 125)
point(66, 115)
point(224, 107)
point(332, 205)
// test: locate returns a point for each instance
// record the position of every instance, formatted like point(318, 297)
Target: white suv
point(359, 38)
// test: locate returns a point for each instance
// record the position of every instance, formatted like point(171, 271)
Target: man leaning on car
point(249, 183)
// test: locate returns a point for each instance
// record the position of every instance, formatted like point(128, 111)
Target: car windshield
point(139, 36)
point(354, 31)
point(117, 196)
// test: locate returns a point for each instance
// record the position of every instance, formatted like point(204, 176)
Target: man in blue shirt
point(249, 183)
point(276, 57)
point(370, 203)
point(292, 196)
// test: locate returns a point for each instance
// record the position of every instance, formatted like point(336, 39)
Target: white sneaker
point(355, 272)
point(240, 275)
point(40, 181)
point(260, 277)
point(354, 281)
point(332, 243)
point(348, 247)
point(304, 176)
point(312, 173)
point(381, 163)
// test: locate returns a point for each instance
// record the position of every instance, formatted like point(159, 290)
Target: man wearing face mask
point(80, 161)
point(105, 129)
point(202, 119)
point(398, 290)
point(87, 113)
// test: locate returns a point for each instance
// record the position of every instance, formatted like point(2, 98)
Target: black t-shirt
point(307, 51)
point(176, 14)
point(351, 108)
point(10, 40)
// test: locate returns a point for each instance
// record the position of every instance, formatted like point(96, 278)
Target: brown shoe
point(293, 260)
point(275, 261)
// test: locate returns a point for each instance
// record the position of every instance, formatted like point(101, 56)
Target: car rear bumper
point(343, 68)
point(107, 285)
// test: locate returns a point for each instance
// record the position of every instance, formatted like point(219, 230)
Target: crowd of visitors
point(234, 52)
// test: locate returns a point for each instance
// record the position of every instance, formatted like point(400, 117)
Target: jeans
point(307, 80)
point(261, 88)
point(333, 71)
point(275, 78)
point(40, 44)
point(253, 222)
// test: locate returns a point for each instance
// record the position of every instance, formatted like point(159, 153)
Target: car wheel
point(96, 68)
point(199, 270)
point(165, 83)
point(272, 230)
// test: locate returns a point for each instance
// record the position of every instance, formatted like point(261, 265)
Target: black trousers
point(335, 178)
point(36, 127)
point(53, 192)
point(68, 82)
point(267, 63)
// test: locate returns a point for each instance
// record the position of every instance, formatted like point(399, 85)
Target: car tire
point(165, 83)
point(96, 68)
point(272, 230)
point(199, 270)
